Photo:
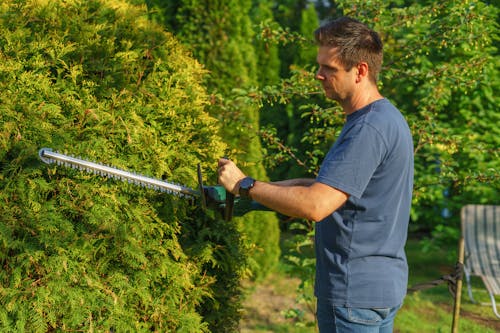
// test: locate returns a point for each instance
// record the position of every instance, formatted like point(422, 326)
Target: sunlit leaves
point(96, 79)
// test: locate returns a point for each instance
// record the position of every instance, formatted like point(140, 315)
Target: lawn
point(431, 310)
point(274, 305)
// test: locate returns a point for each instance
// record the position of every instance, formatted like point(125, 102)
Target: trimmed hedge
point(97, 79)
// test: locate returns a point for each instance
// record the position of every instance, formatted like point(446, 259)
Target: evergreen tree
point(286, 126)
point(308, 23)
point(267, 54)
point(220, 34)
point(78, 252)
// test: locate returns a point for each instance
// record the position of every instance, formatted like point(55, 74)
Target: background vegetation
point(157, 87)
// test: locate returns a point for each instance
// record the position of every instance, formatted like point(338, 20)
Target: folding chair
point(481, 232)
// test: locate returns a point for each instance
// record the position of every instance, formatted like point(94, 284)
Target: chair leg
point(494, 305)
point(469, 288)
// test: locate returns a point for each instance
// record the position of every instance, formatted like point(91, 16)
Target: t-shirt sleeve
point(352, 160)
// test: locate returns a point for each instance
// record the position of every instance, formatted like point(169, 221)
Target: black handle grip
point(229, 207)
point(203, 196)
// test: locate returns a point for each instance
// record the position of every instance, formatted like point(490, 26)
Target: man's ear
point(361, 71)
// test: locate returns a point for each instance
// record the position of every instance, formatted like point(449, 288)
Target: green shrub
point(221, 37)
point(78, 252)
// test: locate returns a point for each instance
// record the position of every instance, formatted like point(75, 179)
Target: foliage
point(300, 262)
point(97, 79)
point(448, 72)
point(221, 37)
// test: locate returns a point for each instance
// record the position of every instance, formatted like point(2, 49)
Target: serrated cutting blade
point(49, 157)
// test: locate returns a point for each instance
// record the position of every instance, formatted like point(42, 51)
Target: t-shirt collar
point(364, 110)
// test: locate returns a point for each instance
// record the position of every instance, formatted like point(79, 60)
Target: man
point(361, 197)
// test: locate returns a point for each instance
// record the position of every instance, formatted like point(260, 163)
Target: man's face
point(337, 82)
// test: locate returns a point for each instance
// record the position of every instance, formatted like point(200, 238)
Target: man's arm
point(295, 182)
point(297, 198)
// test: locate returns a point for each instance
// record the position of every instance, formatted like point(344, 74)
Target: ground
point(267, 301)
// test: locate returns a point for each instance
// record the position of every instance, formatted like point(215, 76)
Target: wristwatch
point(245, 185)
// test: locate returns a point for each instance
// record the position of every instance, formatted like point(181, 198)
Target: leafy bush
point(78, 252)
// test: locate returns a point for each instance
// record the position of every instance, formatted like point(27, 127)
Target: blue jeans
point(335, 319)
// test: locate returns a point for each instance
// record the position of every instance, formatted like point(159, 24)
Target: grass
point(268, 302)
point(431, 310)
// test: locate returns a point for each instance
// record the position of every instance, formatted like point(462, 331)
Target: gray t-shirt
point(360, 258)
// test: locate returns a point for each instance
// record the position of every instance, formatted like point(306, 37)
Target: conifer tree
point(220, 34)
point(296, 21)
point(78, 252)
point(267, 54)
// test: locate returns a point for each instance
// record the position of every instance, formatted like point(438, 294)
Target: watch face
point(245, 185)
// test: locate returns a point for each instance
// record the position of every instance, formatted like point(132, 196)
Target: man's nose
point(319, 76)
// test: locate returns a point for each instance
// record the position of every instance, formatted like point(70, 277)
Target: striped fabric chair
point(481, 232)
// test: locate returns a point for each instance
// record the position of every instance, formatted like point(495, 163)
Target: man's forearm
point(295, 182)
point(302, 197)
point(313, 201)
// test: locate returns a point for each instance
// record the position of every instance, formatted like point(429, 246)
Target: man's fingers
point(223, 161)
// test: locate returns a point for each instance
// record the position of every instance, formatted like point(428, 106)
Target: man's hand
point(230, 175)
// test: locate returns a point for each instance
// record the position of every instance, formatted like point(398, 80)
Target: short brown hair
point(355, 41)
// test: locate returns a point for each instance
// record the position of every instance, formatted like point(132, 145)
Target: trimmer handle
point(229, 207)
point(216, 197)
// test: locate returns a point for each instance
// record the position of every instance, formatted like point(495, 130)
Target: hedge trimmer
point(212, 197)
